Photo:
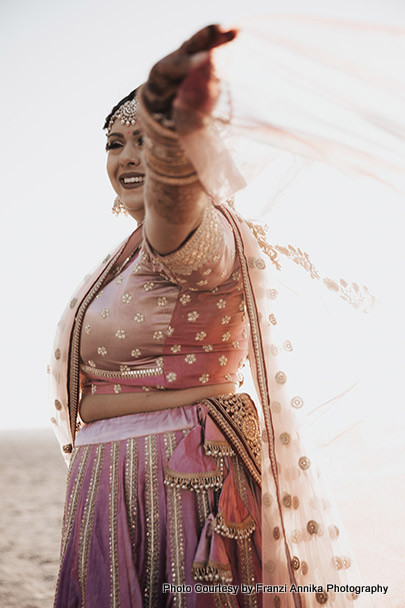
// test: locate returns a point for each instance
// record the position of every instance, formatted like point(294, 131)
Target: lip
point(128, 175)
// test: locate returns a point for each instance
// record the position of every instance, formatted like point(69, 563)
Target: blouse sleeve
point(205, 260)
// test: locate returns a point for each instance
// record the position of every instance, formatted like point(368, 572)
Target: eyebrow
point(136, 132)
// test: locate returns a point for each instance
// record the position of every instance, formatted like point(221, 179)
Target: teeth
point(133, 180)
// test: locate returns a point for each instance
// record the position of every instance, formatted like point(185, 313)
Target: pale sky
point(64, 65)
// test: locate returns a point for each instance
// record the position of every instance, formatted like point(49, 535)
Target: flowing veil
point(309, 133)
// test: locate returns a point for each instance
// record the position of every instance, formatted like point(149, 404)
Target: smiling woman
point(174, 477)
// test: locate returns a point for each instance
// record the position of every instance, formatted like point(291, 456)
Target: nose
point(130, 156)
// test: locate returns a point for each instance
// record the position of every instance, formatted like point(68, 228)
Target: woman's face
point(125, 166)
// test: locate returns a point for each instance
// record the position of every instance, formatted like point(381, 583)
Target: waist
point(98, 407)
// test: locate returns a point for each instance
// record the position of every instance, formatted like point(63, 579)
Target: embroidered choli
point(174, 321)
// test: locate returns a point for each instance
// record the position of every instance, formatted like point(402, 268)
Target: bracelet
point(164, 156)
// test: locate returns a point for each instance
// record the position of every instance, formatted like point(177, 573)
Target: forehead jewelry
point(126, 113)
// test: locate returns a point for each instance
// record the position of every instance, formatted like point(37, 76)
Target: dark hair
point(129, 97)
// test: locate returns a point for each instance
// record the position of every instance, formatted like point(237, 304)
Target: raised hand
point(184, 79)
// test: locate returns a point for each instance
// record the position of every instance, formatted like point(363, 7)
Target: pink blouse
point(174, 321)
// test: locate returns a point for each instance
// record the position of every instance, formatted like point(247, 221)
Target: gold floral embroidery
point(200, 336)
point(87, 328)
point(136, 353)
point(185, 298)
point(235, 344)
point(226, 336)
point(105, 313)
point(176, 348)
point(295, 562)
point(259, 232)
point(158, 335)
point(171, 376)
point(139, 317)
point(136, 268)
point(124, 368)
point(225, 320)
point(272, 319)
point(221, 303)
point(126, 298)
point(169, 331)
point(204, 378)
point(91, 363)
point(190, 359)
point(148, 285)
point(102, 351)
point(192, 316)
point(120, 334)
point(199, 247)
point(162, 301)
point(223, 360)
point(208, 348)
point(287, 345)
point(93, 389)
point(117, 388)
point(321, 597)
point(202, 283)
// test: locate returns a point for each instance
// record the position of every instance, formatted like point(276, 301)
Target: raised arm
point(182, 82)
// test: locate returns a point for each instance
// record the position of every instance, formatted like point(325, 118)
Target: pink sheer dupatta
point(297, 91)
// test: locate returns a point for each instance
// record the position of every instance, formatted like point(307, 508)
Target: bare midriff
point(97, 407)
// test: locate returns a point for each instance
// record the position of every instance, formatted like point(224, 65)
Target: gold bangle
point(164, 156)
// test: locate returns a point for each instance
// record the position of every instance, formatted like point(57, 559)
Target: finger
point(208, 38)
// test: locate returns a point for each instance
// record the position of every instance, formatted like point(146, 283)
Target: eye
point(140, 141)
point(112, 145)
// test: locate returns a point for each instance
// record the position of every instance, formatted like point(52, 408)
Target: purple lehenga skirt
point(159, 512)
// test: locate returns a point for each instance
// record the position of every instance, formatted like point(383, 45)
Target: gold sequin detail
point(297, 402)
point(272, 319)
point(295, 563)
point(281, 378)
point(58, 404)
point(276, 532)
point(304, 463)
point(321, 597)
point(57, 354)
point(285, 438)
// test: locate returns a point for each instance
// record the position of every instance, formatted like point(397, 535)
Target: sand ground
point(32, 482)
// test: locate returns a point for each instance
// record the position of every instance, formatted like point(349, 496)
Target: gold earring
point(118, 206)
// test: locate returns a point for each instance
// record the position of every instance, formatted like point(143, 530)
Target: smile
point(131, 180)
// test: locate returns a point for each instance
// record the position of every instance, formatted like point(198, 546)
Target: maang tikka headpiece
point(126, 113)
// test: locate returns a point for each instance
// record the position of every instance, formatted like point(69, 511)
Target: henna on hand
point(168, 74)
